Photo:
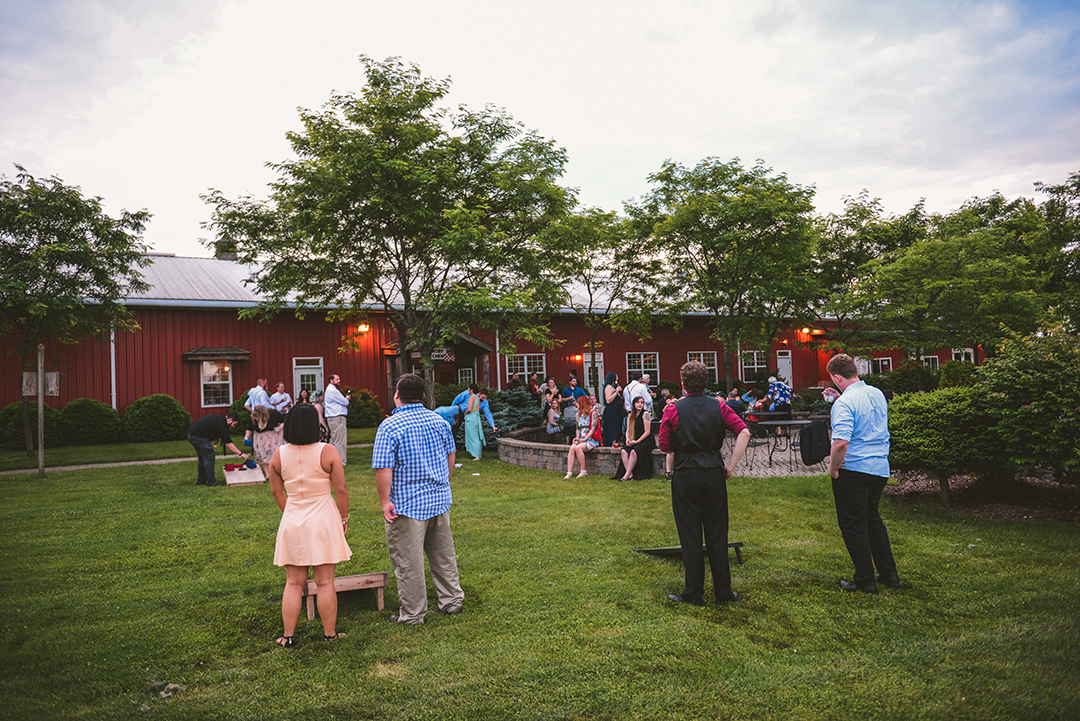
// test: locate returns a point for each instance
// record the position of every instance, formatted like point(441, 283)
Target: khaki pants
point(339, 436)
point(408, 541)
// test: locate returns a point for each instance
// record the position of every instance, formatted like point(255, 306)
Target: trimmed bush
point(947, 432)
point(513, 409)
point(14, 437)
point(445, 395)
point(159, 417)
point(6, 414)
point(90, 422)
point(904, 380)
point(364, 409)
point(242, 413)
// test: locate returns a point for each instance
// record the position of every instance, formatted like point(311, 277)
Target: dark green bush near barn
point(364, 409)
point(243, 414)
point(513, 410)
point(90, 422)
point(947, 432)
point(904, 380)
point(13, 426)
point(958, 374)
point(159, 417)
point(445, 394)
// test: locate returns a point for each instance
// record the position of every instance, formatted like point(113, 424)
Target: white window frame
point(648, 362)
point(708, 357)
point(930, 362)
point(526, 363)
point(880, 365)
point(965, 354)
point(749, 370)
point(466, 375)
point(226, 384)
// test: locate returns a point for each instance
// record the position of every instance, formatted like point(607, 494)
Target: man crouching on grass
point(413, 458)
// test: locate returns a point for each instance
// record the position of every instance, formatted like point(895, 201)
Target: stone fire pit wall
point(529, 447)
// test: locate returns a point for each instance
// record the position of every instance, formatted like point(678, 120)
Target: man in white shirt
point(281, 400)
point(631, 389)
point(256, 397)
point(335, 410)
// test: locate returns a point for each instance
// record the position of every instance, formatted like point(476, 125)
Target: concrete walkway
point(159, 461)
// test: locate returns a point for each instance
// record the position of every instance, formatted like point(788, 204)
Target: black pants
point(205, 450)
point(699, 503)
point(857, 496)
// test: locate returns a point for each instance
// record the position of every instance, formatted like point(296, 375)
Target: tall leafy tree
point(434, 217)
point(738, 240)
point(606, 282)
point(1060, 247)
point(65, 266)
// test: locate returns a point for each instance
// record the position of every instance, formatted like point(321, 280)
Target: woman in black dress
point(612, 426)
point(637, 460)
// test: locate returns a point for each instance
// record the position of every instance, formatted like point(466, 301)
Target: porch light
point(363, 328)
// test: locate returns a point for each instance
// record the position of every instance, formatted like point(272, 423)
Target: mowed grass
point(11, 459)
point(119, 581)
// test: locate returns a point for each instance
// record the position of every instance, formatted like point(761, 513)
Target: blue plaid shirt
point(415, 443)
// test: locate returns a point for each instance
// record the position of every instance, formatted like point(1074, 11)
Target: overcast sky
point(148, 103)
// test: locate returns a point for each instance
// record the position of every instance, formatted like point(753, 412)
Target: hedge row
point(87, 422)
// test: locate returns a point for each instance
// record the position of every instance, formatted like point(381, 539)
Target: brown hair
point(410, 388)
point(842, 365)
point(261, 415)
point(694, 376)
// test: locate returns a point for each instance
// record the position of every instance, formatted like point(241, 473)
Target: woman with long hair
point(614, 412)
point(304, 396)
point(637, 461)
point(474, 429)
point(313, 520)
point(552, 414)
point(588, 425)
point(266, 427)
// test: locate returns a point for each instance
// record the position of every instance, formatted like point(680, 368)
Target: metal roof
point(173, 279)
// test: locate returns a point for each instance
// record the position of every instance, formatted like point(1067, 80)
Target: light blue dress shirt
point(334, 403)
point(860, 416)
point(462, 400)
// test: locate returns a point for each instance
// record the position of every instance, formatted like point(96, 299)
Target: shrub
point(904, 380)
point(514, 409)
point(243, 414)
point(946, 432)
point(9, 412)
point(958, 374)
point(364, 409)
point(159, 417)
point(444, 395)
point(14, 436)
point(1033, 385)
point(675, 388)
point(89, 422)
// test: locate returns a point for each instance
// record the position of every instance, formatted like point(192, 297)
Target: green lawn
point(11, 460)
point(119, 581)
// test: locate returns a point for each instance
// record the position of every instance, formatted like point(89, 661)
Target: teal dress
point(474, 431)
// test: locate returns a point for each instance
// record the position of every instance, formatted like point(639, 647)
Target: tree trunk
point(729, 368)
point(943, 482)
point(429, 380)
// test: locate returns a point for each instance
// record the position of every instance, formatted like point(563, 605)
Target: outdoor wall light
point(363, 328)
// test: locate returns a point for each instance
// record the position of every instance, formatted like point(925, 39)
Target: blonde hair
point(261, 415)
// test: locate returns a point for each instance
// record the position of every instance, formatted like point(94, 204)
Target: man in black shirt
point(202, 435)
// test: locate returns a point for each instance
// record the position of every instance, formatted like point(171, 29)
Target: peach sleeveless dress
point(310, 533)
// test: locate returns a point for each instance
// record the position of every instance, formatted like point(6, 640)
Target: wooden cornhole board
point(246, 477)
point(377, 580)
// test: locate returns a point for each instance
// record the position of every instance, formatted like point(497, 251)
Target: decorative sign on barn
point(438, 355)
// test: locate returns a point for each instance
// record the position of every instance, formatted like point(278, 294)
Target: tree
point(65, 266)
point(605, 282)
point(431, 216)
point(1060, 247)
point(738, 240)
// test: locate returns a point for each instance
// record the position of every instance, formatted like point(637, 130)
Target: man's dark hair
point(230, 416)
point(635, 375)
point(302, 425)
point(410, 388)
point(694, 376)
point(842, 365)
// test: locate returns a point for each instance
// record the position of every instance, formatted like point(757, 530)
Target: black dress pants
point(699, 503)
point(857, 496)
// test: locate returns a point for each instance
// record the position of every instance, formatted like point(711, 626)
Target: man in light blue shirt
point(859, 466)
point(336, 411)
point(413, 458)
point(462, 402)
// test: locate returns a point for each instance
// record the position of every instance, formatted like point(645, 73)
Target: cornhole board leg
point(377, 580)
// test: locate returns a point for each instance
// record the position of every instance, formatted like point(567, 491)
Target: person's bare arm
point(277, 483)
point(383, 478)
point(740, 448)
point(837, 454)
point(331, 463)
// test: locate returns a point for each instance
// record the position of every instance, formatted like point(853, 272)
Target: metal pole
point(41, 410)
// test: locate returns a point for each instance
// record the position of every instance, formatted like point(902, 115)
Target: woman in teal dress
point(474, 432)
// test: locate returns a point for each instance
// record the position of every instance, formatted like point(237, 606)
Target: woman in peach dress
point(313, 522)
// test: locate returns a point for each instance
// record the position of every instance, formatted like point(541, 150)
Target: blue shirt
point(334, 402)
point(860, 416)
point(462, 401)
point(415, 443)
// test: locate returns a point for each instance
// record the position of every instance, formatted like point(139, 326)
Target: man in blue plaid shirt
point(413, 459)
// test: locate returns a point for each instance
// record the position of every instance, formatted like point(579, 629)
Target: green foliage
point(676, 388)
point(159, 417)
point(445, 394)
point(243, 414)
point(14, 410)
point(947, 432)
point(738, 242)
point(514, 409)
point(14, 437)
point(904, 380)
point(1034, 385)
point(364, 409)
point(958, 374)
point(90, 422)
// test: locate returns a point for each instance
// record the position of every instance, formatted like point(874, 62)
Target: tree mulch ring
point(1033, 495)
